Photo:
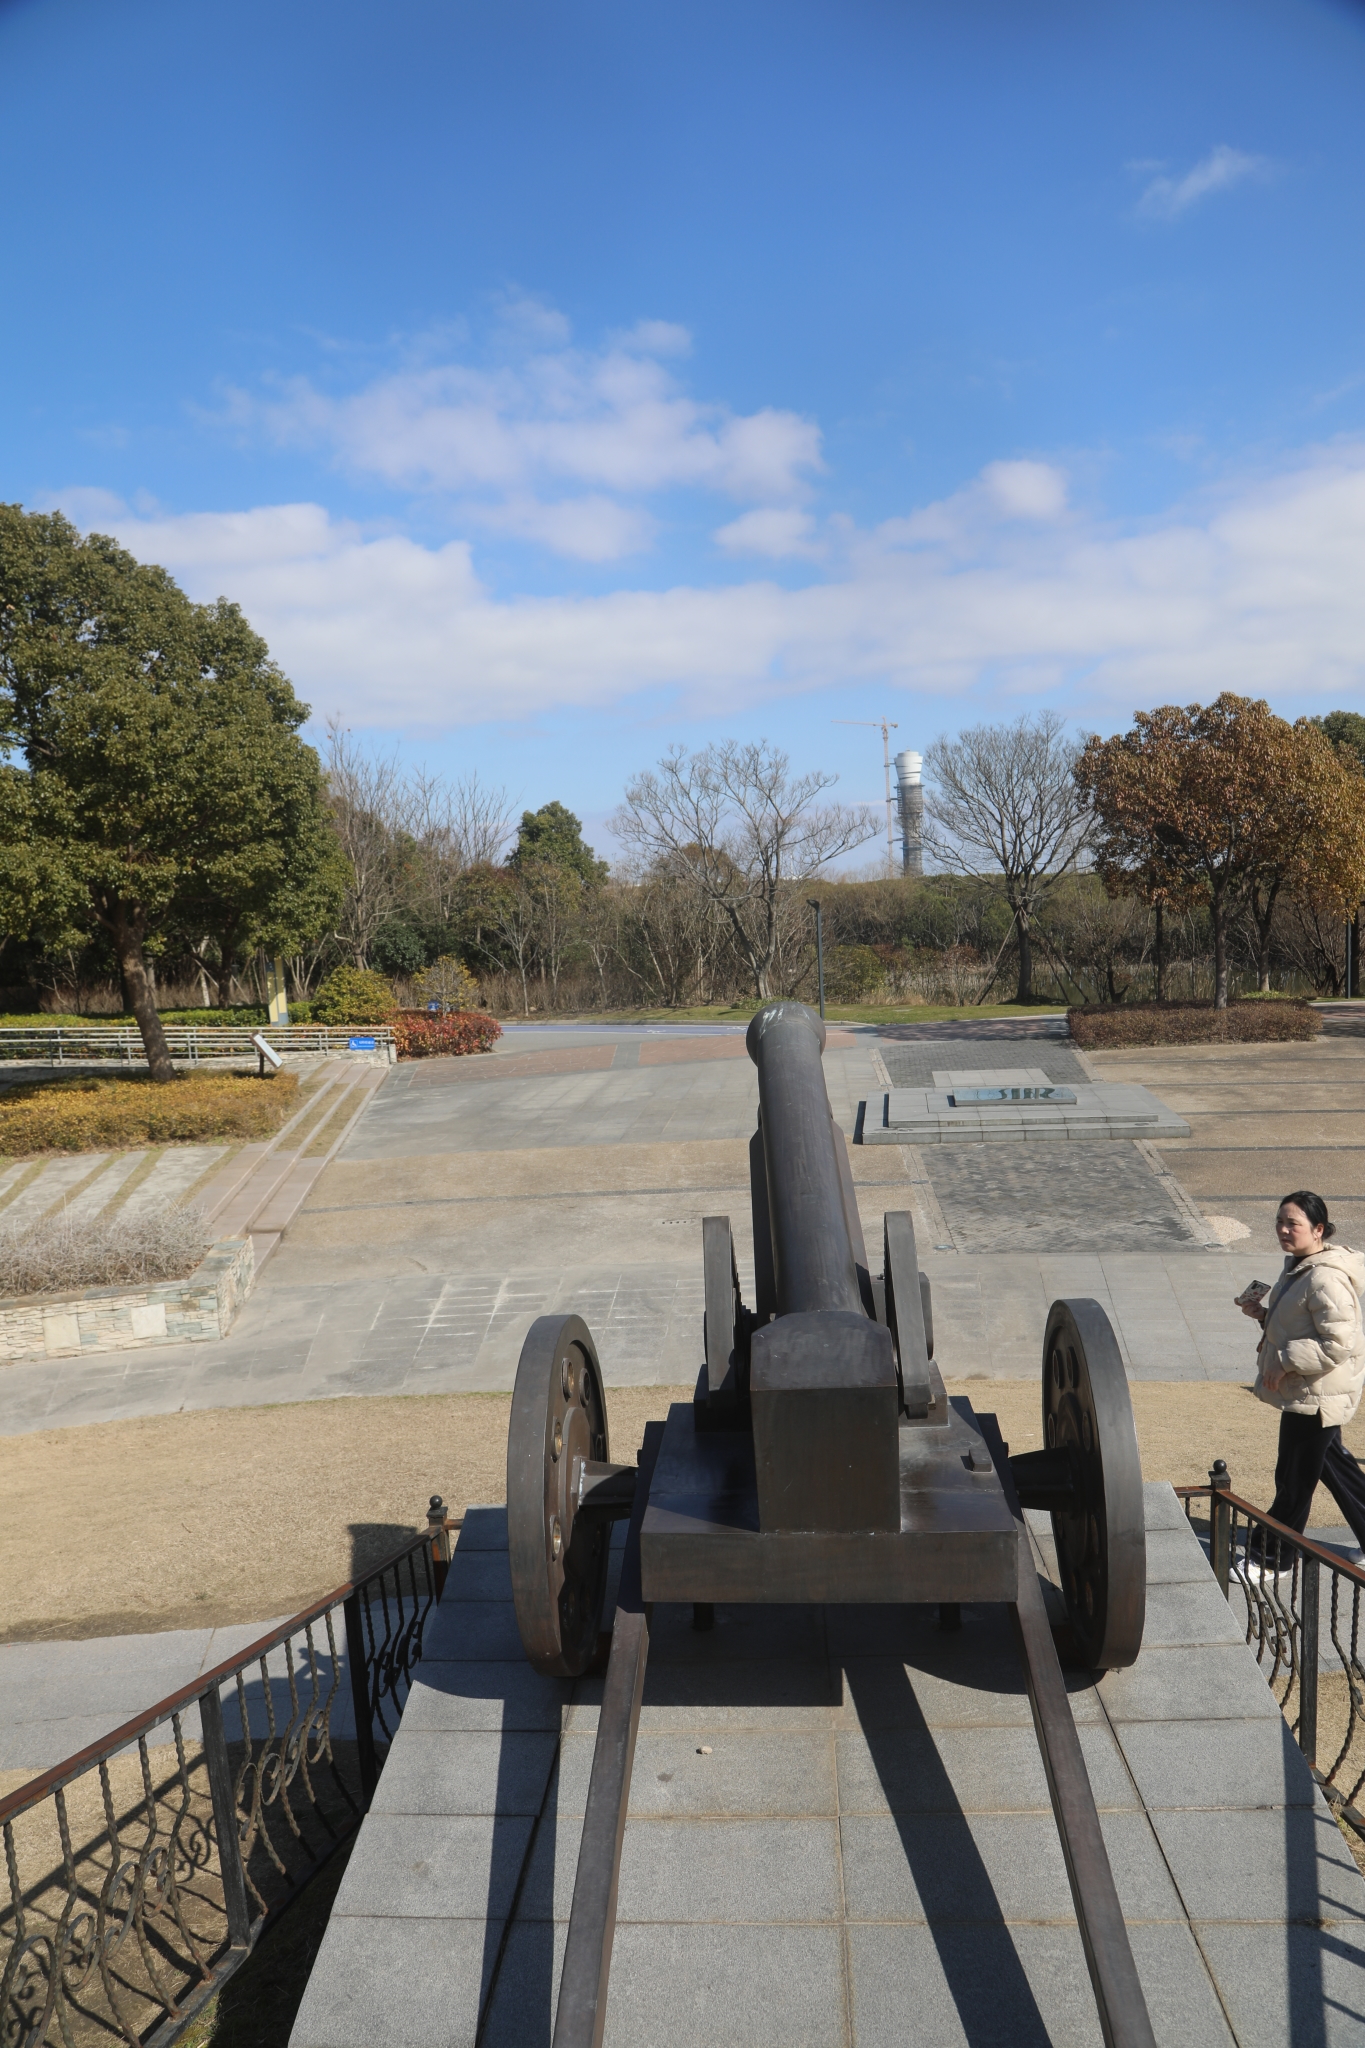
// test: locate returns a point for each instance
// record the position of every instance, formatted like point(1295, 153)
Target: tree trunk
point(1263, 930)
point(1024, 994)
point(139, 994)
point(1160, 951)
point(1220, 953)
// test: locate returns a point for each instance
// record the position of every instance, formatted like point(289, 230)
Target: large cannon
point(821, 1460)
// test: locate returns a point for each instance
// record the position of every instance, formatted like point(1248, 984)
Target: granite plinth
point(945, 1112)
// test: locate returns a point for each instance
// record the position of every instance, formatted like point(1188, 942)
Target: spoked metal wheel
point(1100, 1533)
point(559, 1558)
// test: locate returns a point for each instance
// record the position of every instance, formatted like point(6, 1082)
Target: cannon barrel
point(813, 1260)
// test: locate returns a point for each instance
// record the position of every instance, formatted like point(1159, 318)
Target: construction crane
point(887, 726)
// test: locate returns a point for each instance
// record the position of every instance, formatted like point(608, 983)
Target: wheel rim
point(1101, 1543)
point(559, 1563)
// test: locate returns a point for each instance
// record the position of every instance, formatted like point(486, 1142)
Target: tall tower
point(910, 794)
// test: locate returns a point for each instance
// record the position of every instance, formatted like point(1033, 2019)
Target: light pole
point(888, 726)
point(813, 903)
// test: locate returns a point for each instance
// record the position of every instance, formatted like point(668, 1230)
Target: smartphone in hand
point(1252, 1296)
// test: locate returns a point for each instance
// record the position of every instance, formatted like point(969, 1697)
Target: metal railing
point(1292, 1591)
point(142, 1871)
point(61, 1045)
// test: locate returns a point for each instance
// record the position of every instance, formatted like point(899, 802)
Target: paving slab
point(839, 1831)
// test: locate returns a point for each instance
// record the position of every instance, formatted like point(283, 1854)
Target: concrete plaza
point(570, 1170)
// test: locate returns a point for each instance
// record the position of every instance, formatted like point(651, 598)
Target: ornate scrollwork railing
point(1278, 1579)
point(141, 1872)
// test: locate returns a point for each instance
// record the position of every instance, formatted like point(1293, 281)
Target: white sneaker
point(1266, 1575)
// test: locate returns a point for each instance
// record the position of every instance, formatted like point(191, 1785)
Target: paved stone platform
point(840, 1833)
point(944, 1114)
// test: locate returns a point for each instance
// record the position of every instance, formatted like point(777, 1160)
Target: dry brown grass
point(87, 1113)
point(165, 1241)
point(242, 1514)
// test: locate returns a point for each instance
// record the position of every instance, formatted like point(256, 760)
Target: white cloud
point(658, 338)
point(591, 529)
point(1166, 198)
point(616, 421)
point(772, 530)
point(1257, 590)
point(1026, 490)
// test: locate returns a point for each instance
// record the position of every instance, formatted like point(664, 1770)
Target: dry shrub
point(419, 1034)
point(164, 1241)
point(1104, 1024)
point(88, 1113)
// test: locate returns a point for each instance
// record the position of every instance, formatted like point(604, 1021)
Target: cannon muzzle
point(813, 1258)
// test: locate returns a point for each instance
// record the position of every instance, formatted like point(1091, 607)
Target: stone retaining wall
point(192, 1311)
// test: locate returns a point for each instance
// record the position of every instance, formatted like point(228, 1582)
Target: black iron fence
point(142, 1871)
point(1302, 1603)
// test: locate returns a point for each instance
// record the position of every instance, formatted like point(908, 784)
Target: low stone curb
point(195, 1310)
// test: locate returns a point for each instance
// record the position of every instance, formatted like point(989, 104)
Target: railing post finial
point(1220, 1524)
point(440, 1534)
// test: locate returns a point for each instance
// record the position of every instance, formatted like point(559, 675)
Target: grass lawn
point(50, 1020)
point(257, 2006)
point(240, 1514)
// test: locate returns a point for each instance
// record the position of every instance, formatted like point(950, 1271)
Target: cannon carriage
point(821, 1461)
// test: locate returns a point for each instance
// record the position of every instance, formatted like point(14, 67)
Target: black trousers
point(1309, 1454)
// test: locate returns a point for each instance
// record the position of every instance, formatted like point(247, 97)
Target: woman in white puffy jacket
point(1311, 1363)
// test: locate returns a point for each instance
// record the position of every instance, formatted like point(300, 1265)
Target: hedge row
point(90, 1114)
point(1105, 1024)
point(420, 1034)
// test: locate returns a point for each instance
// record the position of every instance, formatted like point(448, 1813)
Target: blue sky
point(550, 383)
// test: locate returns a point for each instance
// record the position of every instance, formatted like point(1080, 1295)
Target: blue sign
point(362, 1045)
point(433, 1006)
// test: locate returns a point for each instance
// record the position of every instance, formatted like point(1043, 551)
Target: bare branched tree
point(454, 825)
point(734, 819)
point(371, 805)
point(409, 836)
point(1004, 806)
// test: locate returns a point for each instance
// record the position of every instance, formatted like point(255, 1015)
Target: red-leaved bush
point(423, 1034)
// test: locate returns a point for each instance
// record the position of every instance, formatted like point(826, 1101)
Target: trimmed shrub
point(424, 1034)
point(63, 1252)
point(1120, 1024)
point(90, 1114)
point(240, 1013)
point(354, 995)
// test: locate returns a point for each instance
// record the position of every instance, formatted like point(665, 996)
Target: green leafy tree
point(553, 837)
point(163, 786)
point(1345, 729)
point(398, 950)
